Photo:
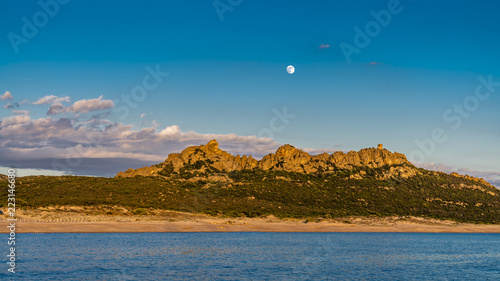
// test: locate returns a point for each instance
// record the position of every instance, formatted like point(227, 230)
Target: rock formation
point(211, 163)
point(470, 178)
point(210, 157)
point(207, 161)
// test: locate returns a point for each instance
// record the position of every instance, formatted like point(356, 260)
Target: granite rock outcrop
point(210, 157)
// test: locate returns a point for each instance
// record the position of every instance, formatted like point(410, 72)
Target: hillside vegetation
point(284, 194)
point(287, 184)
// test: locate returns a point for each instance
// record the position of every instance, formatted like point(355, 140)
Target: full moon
point(290, 69)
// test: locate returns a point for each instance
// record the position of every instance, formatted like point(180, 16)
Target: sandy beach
point(103, 227)
point(242, 226)
point(71, 219)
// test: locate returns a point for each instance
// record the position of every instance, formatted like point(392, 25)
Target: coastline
point(255, 226)
point(72, 219)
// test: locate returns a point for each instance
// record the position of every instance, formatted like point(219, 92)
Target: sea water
point(256, 256)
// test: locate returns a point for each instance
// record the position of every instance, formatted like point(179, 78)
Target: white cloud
point(14, 120)
point(81, 106)
point(84, 106)
point(56, 108)
point(31, 172)
point(52, 99)
point(172, 131)
point(6, 96)
point(38, 143)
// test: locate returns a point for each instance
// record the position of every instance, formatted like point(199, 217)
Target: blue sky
point(227, 72)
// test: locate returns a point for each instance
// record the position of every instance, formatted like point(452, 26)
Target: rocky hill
point(209, 161)
point(209, 158)
point(289, 183)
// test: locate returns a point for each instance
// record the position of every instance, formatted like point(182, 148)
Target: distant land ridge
point(210, 158)
point(289, 183)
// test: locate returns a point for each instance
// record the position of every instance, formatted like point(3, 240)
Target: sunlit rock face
point(286, 158)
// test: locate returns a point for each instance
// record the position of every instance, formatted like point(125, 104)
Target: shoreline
point(73, 219)
point(257, 226)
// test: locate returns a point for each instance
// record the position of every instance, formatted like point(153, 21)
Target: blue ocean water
point(256, 256)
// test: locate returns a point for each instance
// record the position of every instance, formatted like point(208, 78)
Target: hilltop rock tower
point(380, 146)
